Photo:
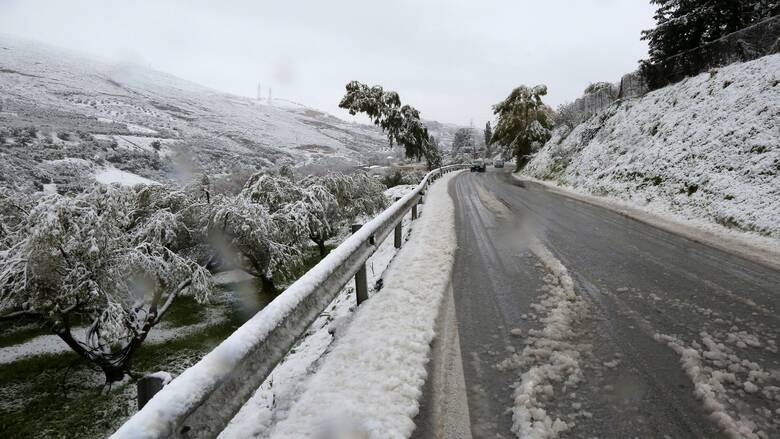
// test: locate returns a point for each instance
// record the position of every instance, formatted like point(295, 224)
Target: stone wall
point(632, 85)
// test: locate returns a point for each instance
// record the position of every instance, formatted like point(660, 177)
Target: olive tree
point(263, 229)
point(346, 197)
point(100, 270)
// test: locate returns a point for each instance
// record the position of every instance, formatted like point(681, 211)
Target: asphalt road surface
point(671, 338)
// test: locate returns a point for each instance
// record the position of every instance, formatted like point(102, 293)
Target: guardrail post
point(147, 387)
point(399, 231)
point(361, 283)
point(414, 211)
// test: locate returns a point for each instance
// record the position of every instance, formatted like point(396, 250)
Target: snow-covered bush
point(265, 227)
point(345, 198)
point(105, 259)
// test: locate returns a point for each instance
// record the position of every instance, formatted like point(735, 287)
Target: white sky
point(451, 59)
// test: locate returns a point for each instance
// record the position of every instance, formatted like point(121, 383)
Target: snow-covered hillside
point(56, 105)
point(706, 149)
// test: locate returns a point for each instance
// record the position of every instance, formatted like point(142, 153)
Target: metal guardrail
point(204, 398)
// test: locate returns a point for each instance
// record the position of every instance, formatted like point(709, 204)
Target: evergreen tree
point(522, 122)
point(463, 141)
point(434, 153)
point(686, 24)
point(488, 134)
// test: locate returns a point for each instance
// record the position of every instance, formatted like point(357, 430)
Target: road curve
point(671, 338)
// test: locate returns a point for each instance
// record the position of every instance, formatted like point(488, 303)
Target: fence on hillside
point(204, 398)
point(747, 44)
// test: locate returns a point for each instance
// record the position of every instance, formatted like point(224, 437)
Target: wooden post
point(361, 283)
point(399, 233)
point(414, 212)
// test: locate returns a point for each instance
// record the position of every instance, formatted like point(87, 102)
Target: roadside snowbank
point(706, 149)
point(371, 381)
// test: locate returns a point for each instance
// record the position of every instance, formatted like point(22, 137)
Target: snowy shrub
point(343, 198)
point(264, 228)
point(105, 259)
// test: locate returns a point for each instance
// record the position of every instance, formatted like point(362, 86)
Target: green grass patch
point(17, 332)
point(61, 396)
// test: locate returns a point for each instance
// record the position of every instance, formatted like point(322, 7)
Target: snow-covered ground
point(369, 383)
point(110, 175)
point(705, 150)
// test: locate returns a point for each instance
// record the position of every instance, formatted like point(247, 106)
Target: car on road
point(478, 165)
point(498, 163)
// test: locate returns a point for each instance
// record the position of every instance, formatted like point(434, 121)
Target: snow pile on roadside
point(275, 397)
point(706, 150)
point(371, 381)
point(550, 352)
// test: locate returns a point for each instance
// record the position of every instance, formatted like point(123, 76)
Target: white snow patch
point(110, 175)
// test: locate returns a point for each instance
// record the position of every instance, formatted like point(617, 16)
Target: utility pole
point(259, 91)
point(270, 97)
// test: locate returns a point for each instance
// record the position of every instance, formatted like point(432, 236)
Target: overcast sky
point(451, 59)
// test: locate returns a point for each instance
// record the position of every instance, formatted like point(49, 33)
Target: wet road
point(670, 338)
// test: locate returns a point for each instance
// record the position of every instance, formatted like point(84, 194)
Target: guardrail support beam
point(414, 212)
point(361, 281)
point(399, 231)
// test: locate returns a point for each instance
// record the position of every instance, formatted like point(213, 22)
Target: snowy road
point(663, 337)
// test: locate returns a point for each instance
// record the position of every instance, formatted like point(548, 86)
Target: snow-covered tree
point(463, 141)
point(105, 260)
point(523, 121)
point(401, 123)
point(265, 227)
point(434, 156)
point(346, 197)
point(14, 207)
point(488, 133)
point(686, 24)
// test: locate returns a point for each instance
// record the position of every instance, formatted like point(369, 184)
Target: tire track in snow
point(550, 352)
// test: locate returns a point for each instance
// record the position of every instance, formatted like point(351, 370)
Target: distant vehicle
point(478, 165)
point(498, 163)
